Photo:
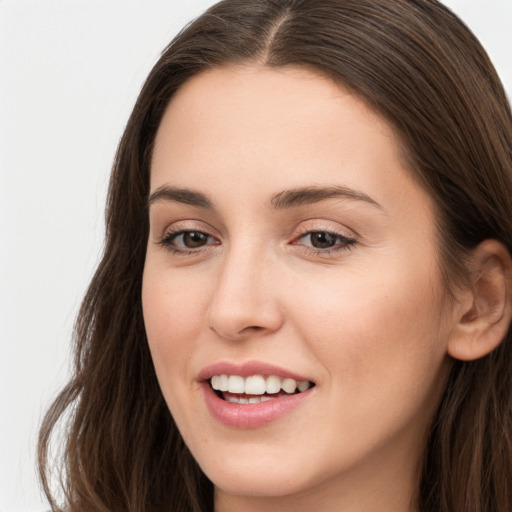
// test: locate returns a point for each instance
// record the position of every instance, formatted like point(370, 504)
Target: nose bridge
point(245, 299)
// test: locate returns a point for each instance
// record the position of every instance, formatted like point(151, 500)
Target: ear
point(484, 310)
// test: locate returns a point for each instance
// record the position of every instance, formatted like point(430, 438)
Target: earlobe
point(486, 308)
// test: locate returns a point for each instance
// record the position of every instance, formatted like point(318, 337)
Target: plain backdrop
point(70, 71)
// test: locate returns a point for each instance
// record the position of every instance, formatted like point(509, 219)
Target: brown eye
point(181, 241)
point(323, 239)
point(194, 239)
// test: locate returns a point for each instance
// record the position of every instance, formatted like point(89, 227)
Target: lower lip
point(250, 416)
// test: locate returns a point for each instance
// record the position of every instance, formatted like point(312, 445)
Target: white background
point(70, 71)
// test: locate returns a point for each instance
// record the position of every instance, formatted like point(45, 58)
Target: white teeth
point(223, 383)
point(303, 385)
point(273, 384)
point(236, 384)
point(289, 385)
point(257, 385)
point(252, 400)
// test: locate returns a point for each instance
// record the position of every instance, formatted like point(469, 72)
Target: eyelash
point(168, 241)
point(344, 243)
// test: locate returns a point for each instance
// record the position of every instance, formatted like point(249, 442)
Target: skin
point(368, 322)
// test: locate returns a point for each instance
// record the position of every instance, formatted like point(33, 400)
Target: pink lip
point(247, 369)
point(249, 416)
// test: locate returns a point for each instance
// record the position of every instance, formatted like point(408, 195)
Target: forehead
point(252, 131)
point(227, 102)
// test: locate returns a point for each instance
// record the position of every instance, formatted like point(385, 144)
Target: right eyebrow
point(180, 195)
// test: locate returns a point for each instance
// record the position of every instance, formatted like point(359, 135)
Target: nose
point(245, 300)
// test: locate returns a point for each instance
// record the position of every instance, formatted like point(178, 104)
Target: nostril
point(234, 315)
point(231, 332)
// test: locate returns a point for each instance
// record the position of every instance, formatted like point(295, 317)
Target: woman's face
point(289, 243)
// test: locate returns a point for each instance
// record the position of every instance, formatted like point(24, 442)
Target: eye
point(321, 239)
point(185, 241)
point(191, 239)
point(324, 241)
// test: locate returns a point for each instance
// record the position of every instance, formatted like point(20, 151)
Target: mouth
point(256, 389)
point(254, 394)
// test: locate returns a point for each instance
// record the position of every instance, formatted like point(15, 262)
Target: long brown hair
point(415, 63)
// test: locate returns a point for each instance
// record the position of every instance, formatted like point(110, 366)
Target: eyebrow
point(282, 200)
point(180, 195)
point(309, 195)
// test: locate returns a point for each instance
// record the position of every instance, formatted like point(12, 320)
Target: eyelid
point(186, 225)
point(347, 239)
point(344, 238)
point(177, 228)
point(321, 225)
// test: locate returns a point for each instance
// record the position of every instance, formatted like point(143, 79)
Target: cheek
point(363, 308)
point(173, 317)
point(378, 336)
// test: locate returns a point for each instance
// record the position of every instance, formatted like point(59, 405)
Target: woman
point(304, 300)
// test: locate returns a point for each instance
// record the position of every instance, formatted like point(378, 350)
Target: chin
point(271, 484)
point(254, 470)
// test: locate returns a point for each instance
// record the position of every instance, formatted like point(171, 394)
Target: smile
point(252, 394)
point(256, 388)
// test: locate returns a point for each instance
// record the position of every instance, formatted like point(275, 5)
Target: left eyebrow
point(309, 195)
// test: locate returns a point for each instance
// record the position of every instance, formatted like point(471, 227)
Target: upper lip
point(247, 369)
